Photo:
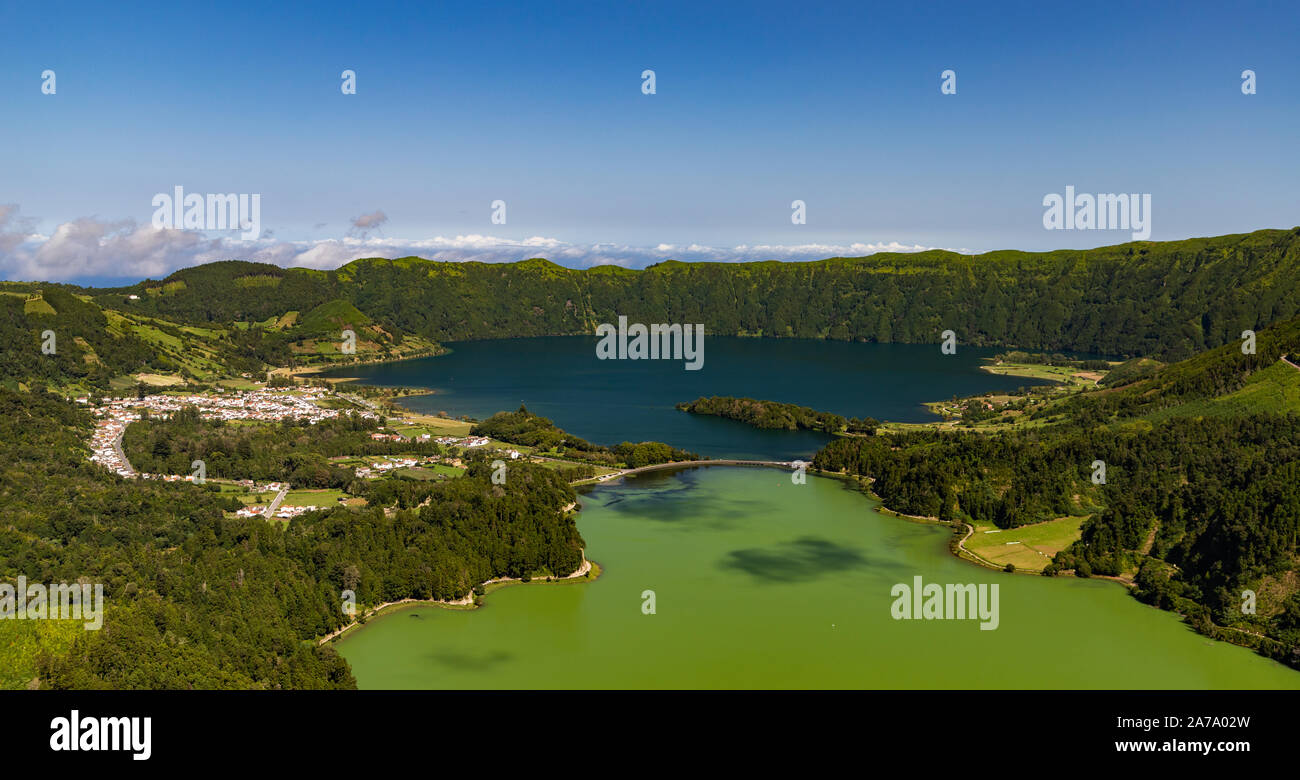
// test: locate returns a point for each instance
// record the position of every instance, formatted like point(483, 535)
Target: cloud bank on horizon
point(91, 248)
point(954, 128)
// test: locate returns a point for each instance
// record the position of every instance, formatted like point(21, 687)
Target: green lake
point(762, 583)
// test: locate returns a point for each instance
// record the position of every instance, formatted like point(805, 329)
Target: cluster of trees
point(773, 414)
point(531, 430)
point(1054, 359)
point(469, 531)
point(195, 599)
point(1007, 479)
point(1167, 299)
point(291, 450)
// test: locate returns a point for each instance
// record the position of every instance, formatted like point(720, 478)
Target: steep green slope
point(330, 318)
point(1274, 389)
point(53, 337)
point(1221, 379)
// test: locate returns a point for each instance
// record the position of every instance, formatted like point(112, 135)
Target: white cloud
point(90, 248)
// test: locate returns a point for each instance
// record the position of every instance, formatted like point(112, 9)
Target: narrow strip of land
point(781, 464)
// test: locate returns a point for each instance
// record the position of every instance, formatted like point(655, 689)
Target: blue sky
point(540, 105)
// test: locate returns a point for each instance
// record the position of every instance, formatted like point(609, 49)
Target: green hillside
point(1153, 299)
point(331, 317)
point(1274, 389)
point(55, 337)
point(1219, 379)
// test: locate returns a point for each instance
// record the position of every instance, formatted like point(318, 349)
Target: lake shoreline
point(313, 371)
point(469, 602)
point(755, 546)
point(515, 365)
point(1217, 632)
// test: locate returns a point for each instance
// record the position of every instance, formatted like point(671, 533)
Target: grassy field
point(247, 498)
point(1070, 377)
point(417, 430)
point(1067, 381)
point(438, 426)
point(240, 384)
point(37, 305)
point(321, 498)
point(431, 471)
point(159, 380)
point(250, 499)
point(1029, 547)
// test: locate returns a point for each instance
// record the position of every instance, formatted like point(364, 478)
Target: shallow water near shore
point(761, 583)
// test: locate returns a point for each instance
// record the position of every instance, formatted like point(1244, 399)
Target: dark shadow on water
point(675, 496)
point(474, 662)
point(803, 560)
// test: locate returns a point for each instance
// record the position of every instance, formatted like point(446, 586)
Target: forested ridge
point(1167, 300)
point(1162, 299)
